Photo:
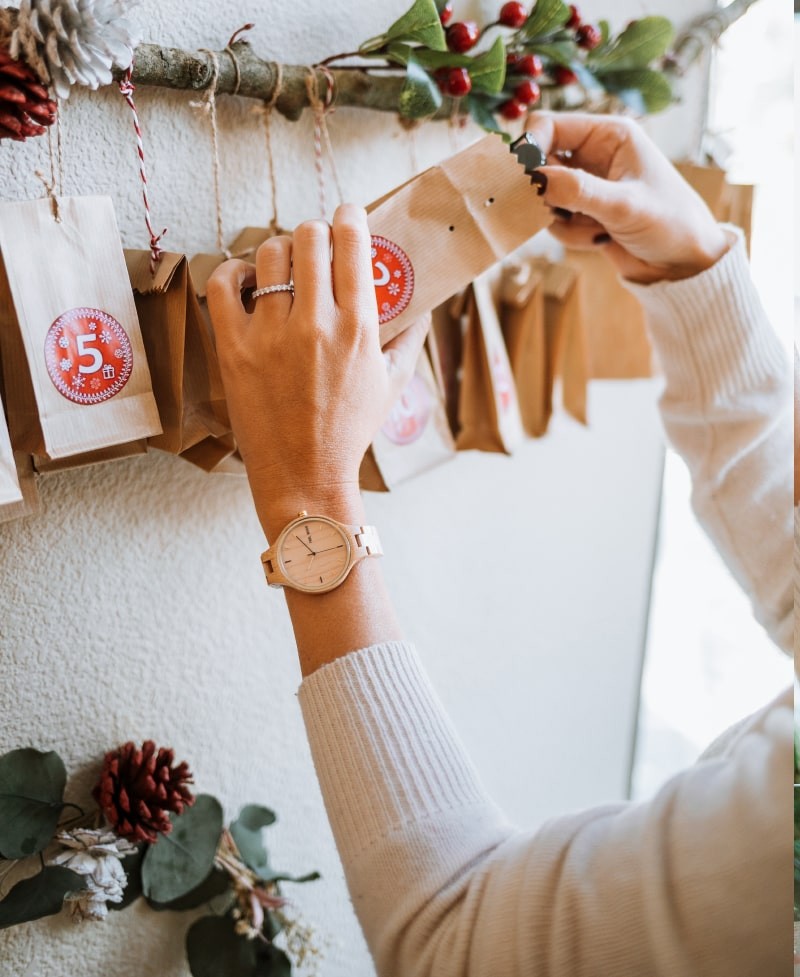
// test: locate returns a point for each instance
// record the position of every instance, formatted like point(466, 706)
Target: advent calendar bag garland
point(488, 410)
point(76, 376)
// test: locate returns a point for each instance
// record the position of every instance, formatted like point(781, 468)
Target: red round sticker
point(393, 276)
point(411, 413)
point(502, 381)
point(88, 355)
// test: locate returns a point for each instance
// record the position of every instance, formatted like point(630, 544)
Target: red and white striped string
point(127, 89)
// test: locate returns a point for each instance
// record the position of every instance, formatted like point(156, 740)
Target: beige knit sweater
point(694, 883)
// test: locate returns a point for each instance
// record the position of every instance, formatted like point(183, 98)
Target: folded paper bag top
point(439, 231)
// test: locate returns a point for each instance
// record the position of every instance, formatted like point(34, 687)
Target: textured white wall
point(134, 605)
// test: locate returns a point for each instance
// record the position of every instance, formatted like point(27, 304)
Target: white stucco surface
point(134, 605)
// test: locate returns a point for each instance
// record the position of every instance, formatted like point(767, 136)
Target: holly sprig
point(502, 70)
point(199, 862)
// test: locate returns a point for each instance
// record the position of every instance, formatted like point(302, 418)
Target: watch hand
point(305, 544)
point(331, 548)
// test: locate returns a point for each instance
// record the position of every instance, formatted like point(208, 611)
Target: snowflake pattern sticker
point(88, 345)
point(393, 276)
point(410, 415)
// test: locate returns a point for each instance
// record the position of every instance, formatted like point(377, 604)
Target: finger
point(579, 236)
point(311, 265)
point(402, 354)
point(353, 288)
point(274, 267)
point(559, 132)
point(224, 295)
point(606, 201)
point(596, 239)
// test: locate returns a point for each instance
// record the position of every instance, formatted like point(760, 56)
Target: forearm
point(359, 612)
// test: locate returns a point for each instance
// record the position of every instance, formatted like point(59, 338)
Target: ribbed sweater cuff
point(710, 332)
point(385, 751)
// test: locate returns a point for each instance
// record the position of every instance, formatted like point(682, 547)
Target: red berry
point(564, 76)
point(446, 14)
point(462, 36)
point(527, 92)
point(529, 64)
point(512, 109)
point(512, 59)
point(588, 36)
point(574, 18)
point(513, 14)
point(458, 82)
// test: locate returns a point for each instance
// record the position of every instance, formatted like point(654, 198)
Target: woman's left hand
point(306, 381)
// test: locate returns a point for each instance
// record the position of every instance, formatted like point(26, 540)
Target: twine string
point(54, 187)
point(267, 108)
point(127, 89)
point(209, 104)
point(321, 106)
point(236, 39)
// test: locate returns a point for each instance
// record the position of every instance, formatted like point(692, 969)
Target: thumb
point(607, 201)
point(402, 353)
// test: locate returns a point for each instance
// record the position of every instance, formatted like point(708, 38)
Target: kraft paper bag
point(730, 203)
point(244, 247)
point(615, 327)
point(436, 233)
point(566, 338)
point(489, 417)
point(415, 436)
point(183, 362)
point(75, 369)
point(216, 454)
point(28, 502)
point(446, 346)
point(10, 491)
point(522, 316)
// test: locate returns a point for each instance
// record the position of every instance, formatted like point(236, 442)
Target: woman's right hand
point(624, 196)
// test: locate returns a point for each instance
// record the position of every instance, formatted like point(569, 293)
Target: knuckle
point(312, 230)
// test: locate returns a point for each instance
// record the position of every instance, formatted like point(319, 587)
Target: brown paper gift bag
point(614, 321)
point(183, 362)
point(446, 348)
point(439, 231)
point(10, 491)
point(75, 370)
point(522, 316)
point(28, 503)
point(488, 414)
point(731, 203)
point(415, 436)
point(566, 338)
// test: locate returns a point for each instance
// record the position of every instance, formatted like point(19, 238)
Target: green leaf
point(488, 70)
point(648, 88)
point(421, 25)
point(420, 96)
point(41, 895)
point(215, 949)
point(560, 52)
point(546, 17)
point(605, 33)
point(215, 884)
point(31, 800)
point(483, 115)
point(272, 962)
point(246, 832)
point(641, 43)
point(132, 864)
point(586, 78)
point(178, 862)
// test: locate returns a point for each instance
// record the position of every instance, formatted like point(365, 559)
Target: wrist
point(279, 505)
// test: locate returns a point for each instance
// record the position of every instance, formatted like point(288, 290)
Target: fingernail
point(601, 238)
point(540, 179)
point(563, 213)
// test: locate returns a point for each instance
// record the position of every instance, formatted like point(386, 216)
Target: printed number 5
point(384, 275)
point(83, 350)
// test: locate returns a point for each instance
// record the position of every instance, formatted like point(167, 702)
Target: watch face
point(314, 554)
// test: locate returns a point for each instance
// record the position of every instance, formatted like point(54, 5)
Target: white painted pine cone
point(78, 41)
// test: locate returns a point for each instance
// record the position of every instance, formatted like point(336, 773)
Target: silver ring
point(270, 289)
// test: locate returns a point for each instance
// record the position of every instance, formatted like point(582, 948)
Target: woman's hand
point(624, 196)
point(306, 382)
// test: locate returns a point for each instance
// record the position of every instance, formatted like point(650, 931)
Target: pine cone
point(25, 108)
point(139, 787)
point(73, 42)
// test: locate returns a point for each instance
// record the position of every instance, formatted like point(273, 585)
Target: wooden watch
point(314, 554)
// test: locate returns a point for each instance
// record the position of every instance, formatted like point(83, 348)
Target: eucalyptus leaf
point(41, 895)
point(246, 832)
point(420, 24)
point(650, 87)
point(215, 884)
point(420, 96)
point(31, 800)
point(272, 962)
point(215, 949)
point(178, 862)
point(483, 115)
point(546, 18)
point(641, 43)
point(272, 876)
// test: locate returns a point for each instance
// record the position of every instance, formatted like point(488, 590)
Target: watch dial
point(315, 554)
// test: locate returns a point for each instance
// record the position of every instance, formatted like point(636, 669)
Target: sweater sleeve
point(691, 884)
point(727, 409)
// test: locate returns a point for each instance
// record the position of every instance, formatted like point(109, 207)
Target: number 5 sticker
point(88, 355)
